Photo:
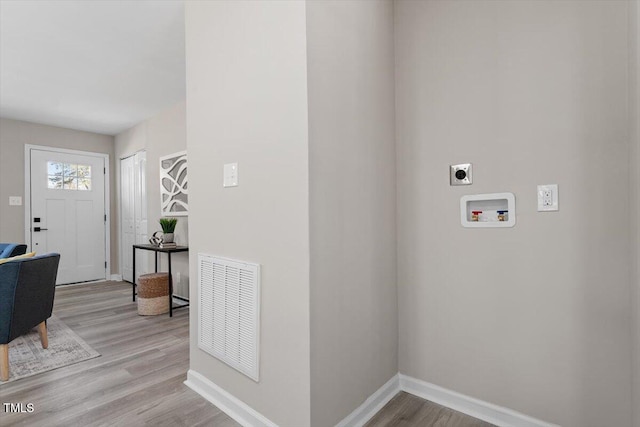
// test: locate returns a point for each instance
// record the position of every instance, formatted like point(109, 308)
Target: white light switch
point(547, 197)
point(15, 201)
point(230, 178)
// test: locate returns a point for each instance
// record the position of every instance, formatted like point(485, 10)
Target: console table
point(157, 250)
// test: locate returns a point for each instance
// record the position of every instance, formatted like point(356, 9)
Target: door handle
point(36, 229)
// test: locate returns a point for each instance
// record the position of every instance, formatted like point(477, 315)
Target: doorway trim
point(107, 196)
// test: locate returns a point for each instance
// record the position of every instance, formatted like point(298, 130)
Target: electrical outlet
point(547, 197)
point(15, 200)
point(461, 174)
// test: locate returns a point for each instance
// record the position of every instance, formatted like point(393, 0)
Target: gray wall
point(14, 135)
point(162, 134)
point(354, 326)
point(247, 103)
point(534, 318)
point(634, 161)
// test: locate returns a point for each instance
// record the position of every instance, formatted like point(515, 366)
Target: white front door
point(68, 212)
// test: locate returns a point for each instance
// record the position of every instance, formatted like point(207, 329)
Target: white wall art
point(173, 184)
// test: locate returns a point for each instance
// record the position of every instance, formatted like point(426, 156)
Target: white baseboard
point(372, 405)
point(229, 404)
point(494, 414)
point(485, 411)
point(116, 277)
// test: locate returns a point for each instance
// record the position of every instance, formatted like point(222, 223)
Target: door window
point(68, 176)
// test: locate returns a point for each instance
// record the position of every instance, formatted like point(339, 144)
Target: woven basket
point(153, 294)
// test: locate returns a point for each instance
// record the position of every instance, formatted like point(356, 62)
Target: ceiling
point(99, 66)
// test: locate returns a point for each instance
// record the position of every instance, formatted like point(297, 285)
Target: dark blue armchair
point(27, 287)
point(7, 250)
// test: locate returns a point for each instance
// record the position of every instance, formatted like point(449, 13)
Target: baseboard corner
point(494, 414)
point(372, 405)
point(226, 402)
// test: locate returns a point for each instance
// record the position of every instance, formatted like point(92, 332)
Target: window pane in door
point(84, 183)
point(70, 170)
point(54, 182)
point(70, 183)
point(84, 171)
point(68, 176)
point(54, 168)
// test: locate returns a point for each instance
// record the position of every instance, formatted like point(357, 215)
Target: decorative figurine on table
point(156, 239)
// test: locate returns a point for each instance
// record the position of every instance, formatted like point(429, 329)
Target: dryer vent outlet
point(461, 174)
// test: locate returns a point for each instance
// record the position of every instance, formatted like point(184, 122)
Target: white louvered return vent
point(229, 324)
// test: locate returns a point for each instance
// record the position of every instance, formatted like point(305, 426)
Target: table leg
point(133, 280)
point(170, 286)
point(156, 255)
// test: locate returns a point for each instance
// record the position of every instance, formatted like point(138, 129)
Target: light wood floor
point(406, 410)
point(138, 380)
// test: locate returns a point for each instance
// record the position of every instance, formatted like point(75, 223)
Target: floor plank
point(137, 380)
point(406, 410)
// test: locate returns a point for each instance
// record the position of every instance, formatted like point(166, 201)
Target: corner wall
point(534, 318)
point(14, 135)
point(354, 324)
point(247, 103)
point(634, 162)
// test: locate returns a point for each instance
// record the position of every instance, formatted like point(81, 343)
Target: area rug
point(27, 357)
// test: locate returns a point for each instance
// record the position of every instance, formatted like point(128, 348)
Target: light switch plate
point(547, 197)
point(15, 200)
point(230, 178)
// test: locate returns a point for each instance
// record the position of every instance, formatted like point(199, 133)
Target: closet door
point(127, 217)
point(133, 193)
point(140, 208)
